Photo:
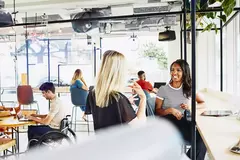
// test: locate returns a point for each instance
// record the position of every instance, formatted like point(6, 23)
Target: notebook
point(23, 118)
point(217, 113)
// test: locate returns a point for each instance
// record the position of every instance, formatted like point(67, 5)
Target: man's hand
point(155, 90)
point(33, 115)
point(30, 117)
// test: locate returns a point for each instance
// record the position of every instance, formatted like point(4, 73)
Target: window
point(142, 53)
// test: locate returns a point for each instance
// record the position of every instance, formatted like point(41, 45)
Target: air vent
point(52, 17)
point(154, 1)
point(150, 9)
point(144, 22)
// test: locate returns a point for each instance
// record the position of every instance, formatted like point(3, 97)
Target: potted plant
point(206, 20)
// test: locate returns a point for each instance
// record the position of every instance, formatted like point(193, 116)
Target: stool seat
point(6, 143)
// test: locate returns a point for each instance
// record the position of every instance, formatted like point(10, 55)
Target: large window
point(142, 53)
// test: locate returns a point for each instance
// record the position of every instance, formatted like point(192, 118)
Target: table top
point(218, 133)
point(13, 122)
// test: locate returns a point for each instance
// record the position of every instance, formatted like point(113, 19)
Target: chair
point(91, 88)
point(56, 136)
point(79, 99)
point(187, 145)
point(25, 96)
point(5, 144)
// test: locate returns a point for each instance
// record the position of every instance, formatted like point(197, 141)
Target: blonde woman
point(79, 82)
point(106, 102)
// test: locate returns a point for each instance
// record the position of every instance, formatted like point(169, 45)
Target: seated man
point(145, 85)
point(52, 120)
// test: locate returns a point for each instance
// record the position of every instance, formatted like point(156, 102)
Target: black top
point(116, 112)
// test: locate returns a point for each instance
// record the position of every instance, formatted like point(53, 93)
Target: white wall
point(174, 50)
point(206, 61)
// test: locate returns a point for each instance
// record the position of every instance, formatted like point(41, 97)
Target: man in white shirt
point(50, 121)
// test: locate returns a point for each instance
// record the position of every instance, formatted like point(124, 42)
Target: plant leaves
point(211, 15)
point(228, 6)
point(208, 27)
point(216, 29)
point(198, 7)
point(212, 1)
point(188, 25)
point(223, 18)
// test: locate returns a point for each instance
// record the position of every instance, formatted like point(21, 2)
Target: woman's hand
point(176, 113)
point(132, 99)
point(137, 88)
point(185, 106)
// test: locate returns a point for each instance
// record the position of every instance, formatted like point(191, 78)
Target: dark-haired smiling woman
point(173, 99)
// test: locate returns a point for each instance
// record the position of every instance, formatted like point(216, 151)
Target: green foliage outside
point(154, 52)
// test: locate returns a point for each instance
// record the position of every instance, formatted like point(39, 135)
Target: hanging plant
point(206, 20)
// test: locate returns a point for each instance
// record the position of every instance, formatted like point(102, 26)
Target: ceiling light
point(134, 42)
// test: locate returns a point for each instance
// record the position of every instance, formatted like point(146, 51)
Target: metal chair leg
point(88, 125)
point(75, 119)
point(72, 117)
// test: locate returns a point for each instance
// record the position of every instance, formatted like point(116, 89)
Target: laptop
point(20, 116)
point(159, 84)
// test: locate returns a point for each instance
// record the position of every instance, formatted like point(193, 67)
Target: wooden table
point(14, 124)
point(218, 133)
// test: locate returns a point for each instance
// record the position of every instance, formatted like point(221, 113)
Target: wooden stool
point(5, 144)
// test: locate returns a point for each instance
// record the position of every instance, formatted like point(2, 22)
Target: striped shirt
point(172, 97)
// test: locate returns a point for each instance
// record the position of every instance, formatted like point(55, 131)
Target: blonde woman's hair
point(110, 78)
point(77, 75)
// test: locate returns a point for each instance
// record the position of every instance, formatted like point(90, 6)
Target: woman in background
point(79, 82)
point(173, 99)
point(106, 102)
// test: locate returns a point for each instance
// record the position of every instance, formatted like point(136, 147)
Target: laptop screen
point(159, 84)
